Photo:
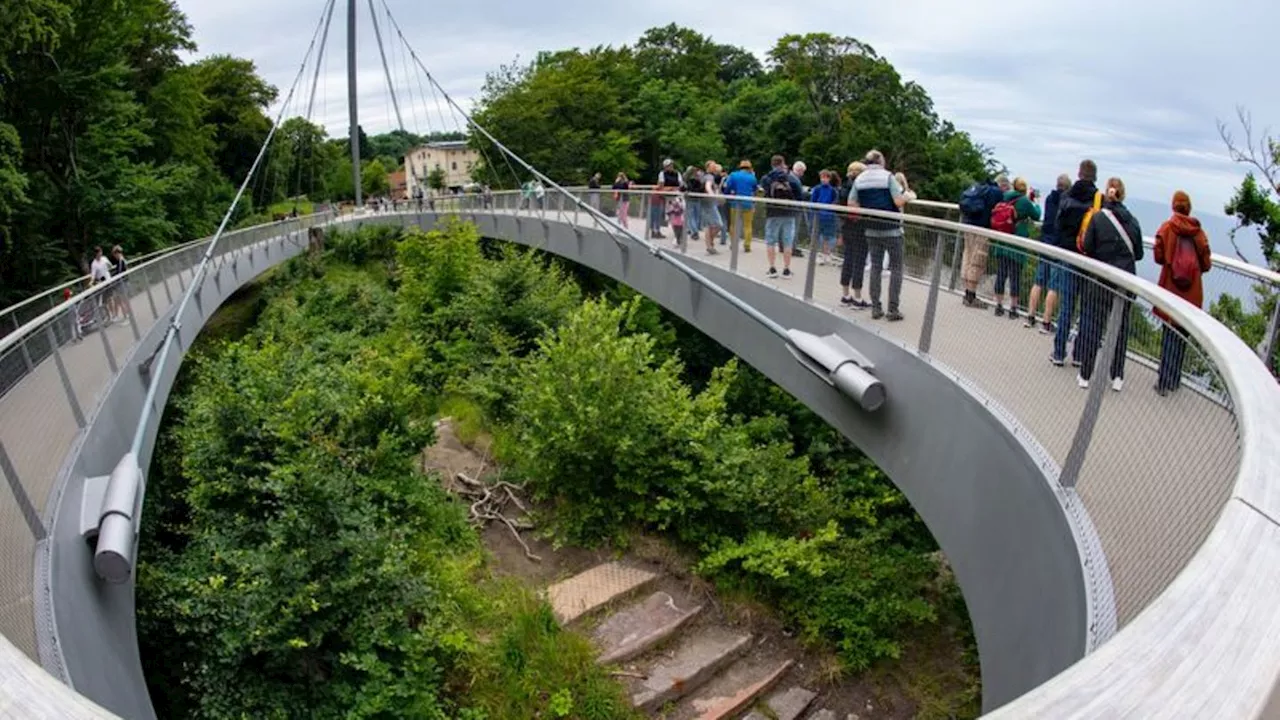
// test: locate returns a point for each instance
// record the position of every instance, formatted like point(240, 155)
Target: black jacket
point(1071, 212)
point(1103, 242)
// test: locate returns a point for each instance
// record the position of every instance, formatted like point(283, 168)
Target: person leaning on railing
point(1073, 215)
point(1048, 278)
point(1113, 236)
point(1022, 211)
point(877, 189)
point(854, 236)
point(976, 205)
point(1183, 254)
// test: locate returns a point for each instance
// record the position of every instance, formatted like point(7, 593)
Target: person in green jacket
point(1009, 259)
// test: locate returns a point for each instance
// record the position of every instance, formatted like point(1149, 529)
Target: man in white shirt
point(100, 268)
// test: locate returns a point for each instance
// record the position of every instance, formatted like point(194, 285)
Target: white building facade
point(454, 157)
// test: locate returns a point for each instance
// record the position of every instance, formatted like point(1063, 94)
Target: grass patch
point(468, 418)
point(527, 666)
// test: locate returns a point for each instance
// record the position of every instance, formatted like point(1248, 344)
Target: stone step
point(786, 704)
point(633, 630)
point(737, 688)
point(696, 659)
point(823, 714)
point(588, 591)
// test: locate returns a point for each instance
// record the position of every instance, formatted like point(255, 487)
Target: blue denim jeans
point(693, 218)
point(1067, 296)
point(655, 217)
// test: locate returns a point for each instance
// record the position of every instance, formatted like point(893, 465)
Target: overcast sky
point(1135, 84)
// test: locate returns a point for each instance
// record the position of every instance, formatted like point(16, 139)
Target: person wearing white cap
point(669, 181)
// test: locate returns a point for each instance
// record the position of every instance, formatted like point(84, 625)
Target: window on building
point(455, 166)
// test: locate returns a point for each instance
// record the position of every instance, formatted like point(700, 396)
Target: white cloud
point(1137, 85)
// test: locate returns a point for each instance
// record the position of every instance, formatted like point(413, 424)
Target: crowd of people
point(1069, 304)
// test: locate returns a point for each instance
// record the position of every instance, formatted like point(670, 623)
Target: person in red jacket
point(1183, 254)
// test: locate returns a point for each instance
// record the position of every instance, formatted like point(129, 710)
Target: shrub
point(368, 243)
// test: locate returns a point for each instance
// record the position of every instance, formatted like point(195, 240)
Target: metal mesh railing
point(53, 372)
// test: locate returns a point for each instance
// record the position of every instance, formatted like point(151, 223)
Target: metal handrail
point(29, 327)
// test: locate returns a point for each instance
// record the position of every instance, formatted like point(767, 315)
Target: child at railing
point(675, 217)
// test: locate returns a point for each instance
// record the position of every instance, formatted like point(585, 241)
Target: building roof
point(448, 145)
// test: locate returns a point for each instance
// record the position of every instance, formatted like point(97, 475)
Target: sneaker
point(725, 242)
point(1081, 382)
point(1013, 313)
point(999, 310)
point(876, 313)
point(1055, 361)
point(975, 303)
point(894, 316)
point(773, 273)
point(1162, 392)
point(1031, 322)
point(1075, 363)
point(1117, 384)
point(1047, 328)
point(847, 301)
point(786, 273)
point(745, 250)
point(861, 305)
point(712, 251)
point(822, 260)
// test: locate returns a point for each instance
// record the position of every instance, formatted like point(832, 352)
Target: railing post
point(151, 299)
point(1267, 347)
point(106, 349)
point(1070, 474)
point(128, 307)
point(20, 496)
point(164, 279)
point(733, 240)
point(931, 306)
point(957, 253)
point(56, 351)
point(812, 265)
point(26, 354)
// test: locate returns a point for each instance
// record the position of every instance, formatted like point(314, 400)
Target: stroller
point(91, 315)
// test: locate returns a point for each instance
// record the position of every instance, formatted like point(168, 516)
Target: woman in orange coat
point(1182, 251)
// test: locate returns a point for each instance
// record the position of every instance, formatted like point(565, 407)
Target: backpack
point(973, 202)
point(1088, 217)
point(1004, 218)
point(1185, 267)
point(780, 188)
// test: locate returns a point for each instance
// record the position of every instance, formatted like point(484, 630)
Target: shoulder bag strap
point(1128, 241)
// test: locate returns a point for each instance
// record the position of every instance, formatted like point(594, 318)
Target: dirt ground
point(918, 685)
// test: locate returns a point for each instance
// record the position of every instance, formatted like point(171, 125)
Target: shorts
point(1044, 272)
point(780, 231)
point(974, 260)
point(1059, 276)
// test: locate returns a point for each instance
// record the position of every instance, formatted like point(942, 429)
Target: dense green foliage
point(297, 559)
point(300, 562)
point(678, 94)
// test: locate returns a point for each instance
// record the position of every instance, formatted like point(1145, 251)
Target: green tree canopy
point(679, 94)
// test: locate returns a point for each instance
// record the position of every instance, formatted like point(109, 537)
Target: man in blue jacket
point(742, 185)
point(780, 220)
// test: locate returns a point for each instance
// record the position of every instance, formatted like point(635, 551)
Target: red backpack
point(1185, 267)
point(1004, 217)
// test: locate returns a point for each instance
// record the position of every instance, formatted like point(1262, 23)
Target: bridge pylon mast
point(352, 107)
